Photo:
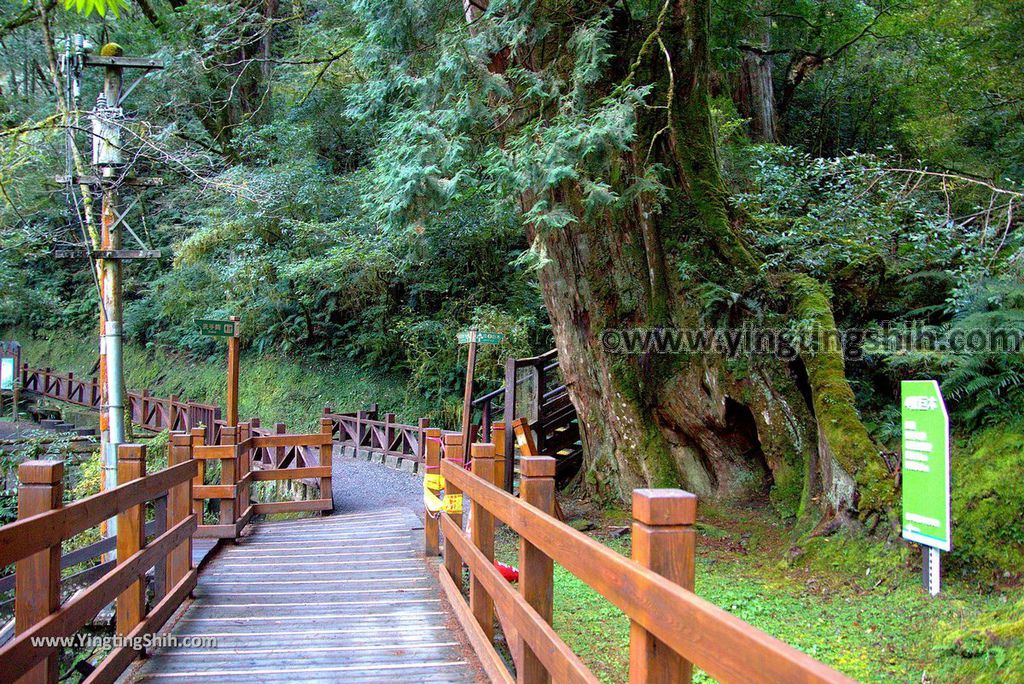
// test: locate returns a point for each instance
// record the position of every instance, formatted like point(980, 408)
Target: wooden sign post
point(472, 338)
point(229, 329)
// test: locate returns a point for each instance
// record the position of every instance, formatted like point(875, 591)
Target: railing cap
point(41, 472)
point(131, 452)
point(537, 466)
point(482, 450)
point(664, 507)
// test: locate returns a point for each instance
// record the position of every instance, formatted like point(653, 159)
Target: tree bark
point(721, 427)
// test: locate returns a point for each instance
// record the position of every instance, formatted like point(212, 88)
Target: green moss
point(990, 650)
point(787, 491)
point(834, 404)
point(860, 559)
point(988, 526)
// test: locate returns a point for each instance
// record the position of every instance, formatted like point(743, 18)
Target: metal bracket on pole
point(930, 570)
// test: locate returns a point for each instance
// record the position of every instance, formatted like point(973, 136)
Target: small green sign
point(218, 328)
point(926, 515)
point(7, 374)
point(480, 337)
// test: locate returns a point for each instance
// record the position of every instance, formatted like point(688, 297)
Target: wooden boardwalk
point(346, 598)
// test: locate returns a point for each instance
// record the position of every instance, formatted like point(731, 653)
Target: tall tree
point(598, 116)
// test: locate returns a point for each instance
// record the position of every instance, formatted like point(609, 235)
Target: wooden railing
point(33, 544)
point(249, 454)
point(672, 629)
point(548, 409)
point(365, 430)
point(148, 412)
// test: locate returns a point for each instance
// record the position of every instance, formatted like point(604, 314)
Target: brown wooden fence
point(366, 430)
point(148, 412)
point(33, 543)
point(179, 496)
point(249, 454)
point(672, 629)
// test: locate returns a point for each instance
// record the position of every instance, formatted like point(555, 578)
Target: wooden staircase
point(551, 414)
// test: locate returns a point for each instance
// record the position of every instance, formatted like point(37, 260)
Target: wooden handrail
point(716, 641)
point(20, 653)
point(34, 543)
point(303, 457)
point(30, 535)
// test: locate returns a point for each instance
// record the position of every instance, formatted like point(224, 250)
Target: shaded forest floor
point(856, 606)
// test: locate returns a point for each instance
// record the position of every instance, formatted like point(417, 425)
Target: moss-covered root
point(854, 475)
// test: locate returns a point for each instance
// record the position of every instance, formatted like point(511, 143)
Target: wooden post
point(199, 505)
point(37, 577)
point(360, 417)
point(498, 440)
point(232, 398)
point(452, 559)
point(664, 540)
point(421, 454)
point(327, 458)
point(483, 538)
point(244, 461)
point(510, 416)
point(179, 507)
point(467, 396)
point(131, 537)
point(172, 412)
point(536, 569)
point(144, 411)
point(389, 433)
point(432, 469)
point(228, 475)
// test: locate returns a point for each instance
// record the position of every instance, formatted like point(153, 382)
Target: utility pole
point(107, 159)
point(108, 125)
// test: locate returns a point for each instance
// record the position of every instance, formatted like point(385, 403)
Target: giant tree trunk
point(718, 426)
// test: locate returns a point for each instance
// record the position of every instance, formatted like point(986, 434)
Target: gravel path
point(364, 486)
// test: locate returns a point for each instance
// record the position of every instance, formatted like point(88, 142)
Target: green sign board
point(7, 374)
point(480, 337)
point(218, 328)
point(926, 517)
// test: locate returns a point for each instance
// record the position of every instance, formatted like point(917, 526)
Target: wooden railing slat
point(19, 654)
point(560, 660)
point(716, 641)
point(27, 536)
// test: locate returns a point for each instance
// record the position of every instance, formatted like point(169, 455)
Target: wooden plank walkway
point(346, 598)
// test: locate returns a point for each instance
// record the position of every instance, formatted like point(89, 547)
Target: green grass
point(854, 605)
point(274, 389)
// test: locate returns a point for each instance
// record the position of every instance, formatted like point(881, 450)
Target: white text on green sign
point(218, 328)
point(926, 514)
point(480, 337)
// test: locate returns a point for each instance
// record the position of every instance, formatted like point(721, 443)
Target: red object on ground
point(510, 573)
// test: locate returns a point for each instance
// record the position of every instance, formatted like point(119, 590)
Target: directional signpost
point(231, 330)
point(926, 511)
point(472, 338)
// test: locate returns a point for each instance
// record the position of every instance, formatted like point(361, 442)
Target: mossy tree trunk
point(717, 426)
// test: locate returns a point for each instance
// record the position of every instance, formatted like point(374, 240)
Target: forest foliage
point(333, 175)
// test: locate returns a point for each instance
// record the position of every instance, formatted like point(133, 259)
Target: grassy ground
point(275, 389)
point(855, 606)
